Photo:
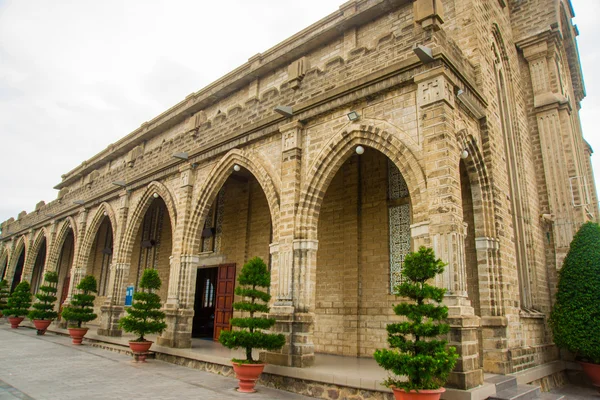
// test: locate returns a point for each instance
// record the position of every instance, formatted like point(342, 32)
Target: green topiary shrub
point(44, 308)
point(81, 308)
point(414, 352)
point(19, 301)
point(575, 319)
point(4, 293)
point(250, 334)
point(144, 316)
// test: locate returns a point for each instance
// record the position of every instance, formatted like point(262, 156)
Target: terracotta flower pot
point(140, 350)
point(593, 372)
point(247, 374)
point(15, 321)
point(401, 394)
point(41, 325)
point(77, 334)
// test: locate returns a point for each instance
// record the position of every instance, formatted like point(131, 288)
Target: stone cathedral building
point(387, 125)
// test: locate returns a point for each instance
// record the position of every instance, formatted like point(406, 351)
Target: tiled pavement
point(49, 367)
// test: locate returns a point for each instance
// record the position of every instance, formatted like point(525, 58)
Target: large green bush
point(19, 301)
point(4, 293)
point(44, 308)
point(250, 334)
point(144, 316)
point(81, 308)
point(575, 319)
point(414, 352)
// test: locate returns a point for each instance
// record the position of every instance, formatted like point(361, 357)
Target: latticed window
point(399, 222)
point(211, 233)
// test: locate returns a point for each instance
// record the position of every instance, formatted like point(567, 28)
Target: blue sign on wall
point(129, 296)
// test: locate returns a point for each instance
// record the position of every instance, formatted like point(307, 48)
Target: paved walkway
point(49, 367)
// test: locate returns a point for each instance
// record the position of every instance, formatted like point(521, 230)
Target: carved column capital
point(433, 86)
point(291, 136)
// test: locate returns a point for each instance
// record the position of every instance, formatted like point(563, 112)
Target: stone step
point(521, 392)
point(551, 396)
point(502, 382)
point(117, 348)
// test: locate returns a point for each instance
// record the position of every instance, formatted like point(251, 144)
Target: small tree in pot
point(81, 309)
point(4, 293)
point(250, 334)
point(144, 315)
point(43, 311)
point(575, 319)
point(414, 352)
point(18, 304)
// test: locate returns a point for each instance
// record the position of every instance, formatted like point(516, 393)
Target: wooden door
point(224, 306)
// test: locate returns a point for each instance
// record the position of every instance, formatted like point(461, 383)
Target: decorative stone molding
point(429, 13)
point(435, 85)
point(291, 136)
point(296, 72)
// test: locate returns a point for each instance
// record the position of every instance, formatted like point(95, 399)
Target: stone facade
point(467, 112)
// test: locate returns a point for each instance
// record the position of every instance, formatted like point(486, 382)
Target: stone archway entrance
point(364, 234)
point(152, 247)
point(18, 270)
point(38, 268)
point(237, 228)
point(63, 266)
point(100, 258)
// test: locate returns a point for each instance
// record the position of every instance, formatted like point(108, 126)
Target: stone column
point(29, 261)
point(113, 307)
point(11, 263)
point(436, 102)
point(290, 271)
point(554, 121)
point(495, 357)
point(179, 307)
point(77, 270)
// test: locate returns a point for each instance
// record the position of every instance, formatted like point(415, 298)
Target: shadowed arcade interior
point(237, 228)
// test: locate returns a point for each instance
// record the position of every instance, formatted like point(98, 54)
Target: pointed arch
point(103, 210)
point(137, 216)
point(480, 183)
point(39, 237)
point(257, 166)
point(4, 258)
point(20, 245)
point(62, 231)
point(378, 135)
point(20, 251)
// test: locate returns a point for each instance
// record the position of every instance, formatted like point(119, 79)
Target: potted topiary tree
point(80, 310)
point(18, 304)
point(4, 293)
point(43, 311)
point(575, 319)
point(144, 315)
point(250, 334)
point(414, 352)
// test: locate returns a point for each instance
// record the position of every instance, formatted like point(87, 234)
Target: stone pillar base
point(464, 335)
point(109, 320)
point(179, 329)
point(298, 350)
point(496, 356)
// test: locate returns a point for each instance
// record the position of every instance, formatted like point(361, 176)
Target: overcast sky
point(76, 76)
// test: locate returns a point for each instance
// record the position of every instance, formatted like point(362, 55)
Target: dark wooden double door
point(213, 304)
